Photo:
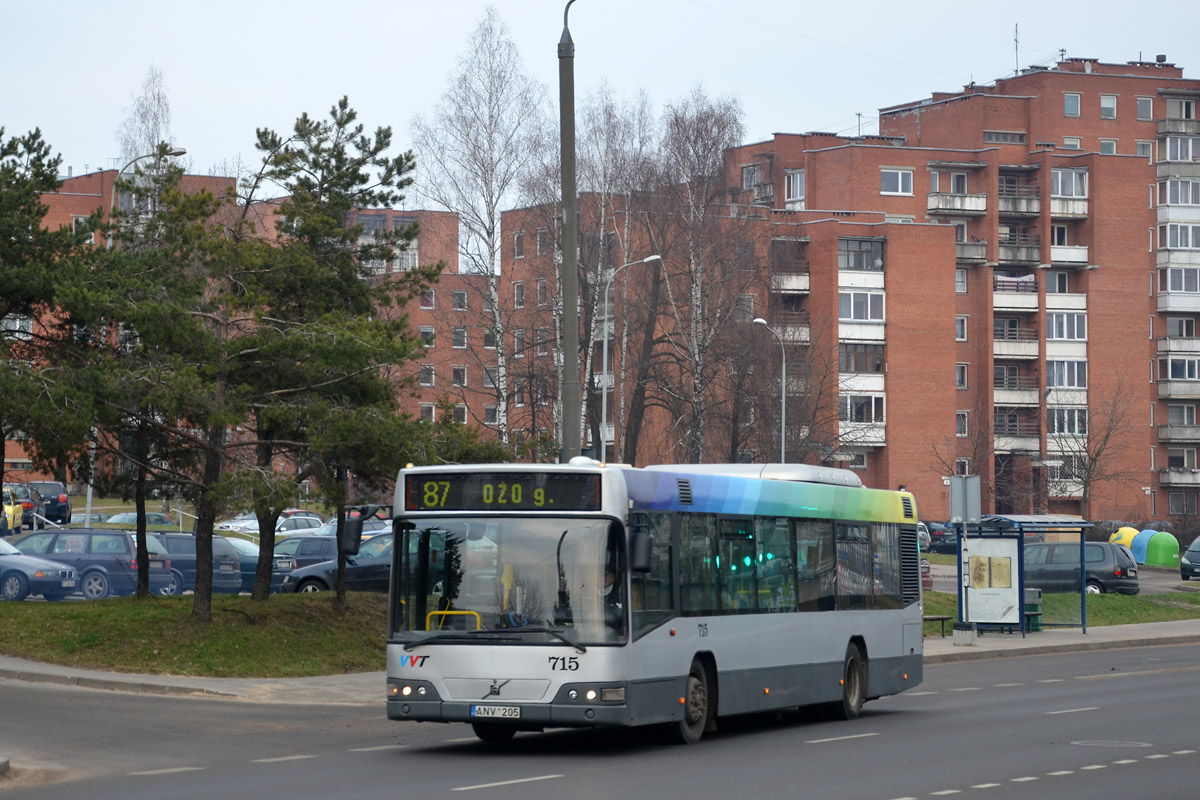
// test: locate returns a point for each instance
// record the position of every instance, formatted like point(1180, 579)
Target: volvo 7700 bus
point(530, 596)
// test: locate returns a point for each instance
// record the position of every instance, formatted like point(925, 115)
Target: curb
point(971, 654)
point(113, 684)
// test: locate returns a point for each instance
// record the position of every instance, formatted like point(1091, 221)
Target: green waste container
point(1033, 609)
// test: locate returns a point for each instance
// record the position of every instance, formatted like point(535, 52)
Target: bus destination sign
point(502, 491)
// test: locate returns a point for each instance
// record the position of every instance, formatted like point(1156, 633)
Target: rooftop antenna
point(859, 115)
point(1016, 50)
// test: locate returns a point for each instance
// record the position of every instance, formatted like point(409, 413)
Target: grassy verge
point(1102, 609)
point(287, 636)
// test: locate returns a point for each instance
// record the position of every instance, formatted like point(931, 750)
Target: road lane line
point(1024, 779)
point(1051, 680)
point(1126, 761)
point(1183, 752)
point(1157, 755)
point(841, 738)
point(278, 759)
point(1095, 766)
point(986, 785)
point(461, 739)
point(946, 792)
point(377, 747)
point(1056, 773)
point(967, 689)
point(169, 771)
point(503, 783)
point(1072, 710)
point(1006, 685)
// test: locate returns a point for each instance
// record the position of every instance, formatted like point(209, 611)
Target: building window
point(960, 376)
point(1108, 106)
point(1178, 369)
point(958, 183)
point(1071, 104)
point(489, 377)
point(1066, 374)
point(1179, 236)
point(1179, 192)
point(460, 414)
point(1108, 147)
point(1062, 326)
point(1068, 183)
point(1003, 137)
point(1181, 327)
point(1145, 148)
point(489, 414)
point(860, 254)
point(459, 340)
point(743, 308)
point(858, 460)
point(543, 296)
point(1072, 143)
point(543, 241)
point(489, 340)
point(962, 467)
point(960, 328)
point(427, 298)
point(459, 374)
point(519, 294)
point(960, 281)
point(1179, 108)
point(427, 336)
point(518, 344)
point(1068, 421)
point(460, 300)
point(1145, 108)
point(427, 411)
point(895, 181)
point(1179, 148)
point(1181, 503)
point(1058, 235)
point(865, 358)
point(427, 374)
point(519, 244)
point(1058, 282)
point(543, 341)
point(1181, 458)
point(960, 424)
point(793, 183)
point(1181, 414)
point(751, 176)
point(860, 306)
point(18, 326)
point(861, 408)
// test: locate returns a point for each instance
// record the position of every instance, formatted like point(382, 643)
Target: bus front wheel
point(492, 733)
point(854, 686)
point(696, 706)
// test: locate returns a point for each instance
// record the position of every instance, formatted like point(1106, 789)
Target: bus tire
point(493, 733)
point(697, 708)
point(854, 686)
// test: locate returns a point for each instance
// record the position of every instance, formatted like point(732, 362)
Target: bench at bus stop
point(938, 618)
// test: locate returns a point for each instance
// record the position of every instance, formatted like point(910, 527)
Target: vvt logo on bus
point(412, 661)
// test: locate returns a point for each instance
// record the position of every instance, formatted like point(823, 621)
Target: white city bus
point(530, 596)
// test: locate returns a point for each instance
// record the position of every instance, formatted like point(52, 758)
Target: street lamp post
point(782, 390)
point(572, 417)
point(607, 371)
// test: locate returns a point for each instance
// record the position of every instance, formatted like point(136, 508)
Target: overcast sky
point(72, 67)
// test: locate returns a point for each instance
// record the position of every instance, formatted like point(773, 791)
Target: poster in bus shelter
point(991, 590)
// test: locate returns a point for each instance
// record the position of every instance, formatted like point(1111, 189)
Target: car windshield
point(7, 549)
point(243, 546)
point(537, 576)
point(19, 492)
point(375, 547)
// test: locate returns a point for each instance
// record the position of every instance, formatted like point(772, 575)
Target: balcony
point(970, 252)
point(792, 326)
point(1019, 343)
point(1015, 294)
point(1069, 207)
point(1069, 255)
point(1016, 432)
point(1183, 302)
point(764, 193)
point(1179, 127)
point(859, 434)
point(969, 205)
point(1023, 390)
point(1189, 434)
point(1180, 345)
point(1179, 390)
point(1179, 477)
point(1020, 248)
point(1023, 200)
point(790, 277)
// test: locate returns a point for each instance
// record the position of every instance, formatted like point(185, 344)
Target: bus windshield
point(534, 579)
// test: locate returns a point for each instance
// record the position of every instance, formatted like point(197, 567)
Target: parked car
point(926, 575)
point(1189, 561)
point(10, 514)
point(153, 519)
point(226, 570)
point(923, 537)
point(105, 560)
point(369, 571)
point(33, 507)
point(1054, 567)
point(947, 543)
point(370, 526)
point(248, 553)
point(58, 501)
point(287, 523)
point(307, 549)
point(22, 575)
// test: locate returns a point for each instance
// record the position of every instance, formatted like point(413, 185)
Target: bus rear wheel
point(493, 733)
point(696, 706)
point(854, 686)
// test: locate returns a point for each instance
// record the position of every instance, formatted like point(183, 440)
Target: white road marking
point(841, 738)
point(919, 694)
point(504, 783)
point(378, 747)
point(278, 759)
point(1062, 772)
point(461, 739)
point(1183, 752)
point(966, 689)
point(1009, 684)
point(1157, 755)
point(1126, 761)
point(946, 791)
point(170, 771)
point(1051, 680)
point(1073, 710)
point(986, 785)
point(1095, 766)
point(1025, 779)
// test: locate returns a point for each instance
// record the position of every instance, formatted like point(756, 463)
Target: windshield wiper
point(556, 633)
point(466, 636)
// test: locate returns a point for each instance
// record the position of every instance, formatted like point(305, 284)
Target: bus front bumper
point(561, 712)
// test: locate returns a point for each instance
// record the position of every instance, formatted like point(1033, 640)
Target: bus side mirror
point(640, 547)
point(352, 535)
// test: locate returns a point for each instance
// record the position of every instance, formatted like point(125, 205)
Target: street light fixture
point(607, 371)
point(112, 198)
point(782, 390)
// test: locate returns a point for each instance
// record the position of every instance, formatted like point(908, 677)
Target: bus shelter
point(1023, 572)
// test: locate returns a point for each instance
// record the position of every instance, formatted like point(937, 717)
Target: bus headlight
point(615, 694)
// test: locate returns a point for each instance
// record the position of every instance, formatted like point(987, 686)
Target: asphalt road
point(1079, 725)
